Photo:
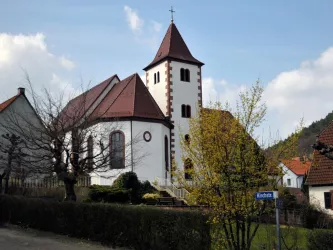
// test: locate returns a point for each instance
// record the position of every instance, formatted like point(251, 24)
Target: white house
point(153, 112)
point(293, 172)
point(320, 177)
point(18, 117)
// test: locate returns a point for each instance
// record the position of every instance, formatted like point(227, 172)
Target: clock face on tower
point(147, 136)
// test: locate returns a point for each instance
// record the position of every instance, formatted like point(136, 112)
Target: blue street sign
point(267, 195)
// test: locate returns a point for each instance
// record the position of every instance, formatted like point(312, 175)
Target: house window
point(188, 167)
point(90, 146)
point(158, 77)
point(327, 200)
point(186, 111)
point(166, 154)
point(288, 182)
point(117, 150)
point(185, 75)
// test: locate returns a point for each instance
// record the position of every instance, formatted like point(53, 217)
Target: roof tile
point(321, 170)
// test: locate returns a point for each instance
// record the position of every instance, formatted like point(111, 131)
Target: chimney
point(20, 91)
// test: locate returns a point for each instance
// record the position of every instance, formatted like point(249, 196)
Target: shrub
point(108, 194)
point(320, 239)
point(137, 227)
point(129, 181)
point(151, 196)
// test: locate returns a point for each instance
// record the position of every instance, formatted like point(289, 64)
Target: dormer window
point(185, 75)
point(157, 77)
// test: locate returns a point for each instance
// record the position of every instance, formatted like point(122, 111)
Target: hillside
point(308, 135)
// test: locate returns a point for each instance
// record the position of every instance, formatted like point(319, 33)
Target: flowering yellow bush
point(151, 196)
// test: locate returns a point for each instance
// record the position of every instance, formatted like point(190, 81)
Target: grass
point(293, 238)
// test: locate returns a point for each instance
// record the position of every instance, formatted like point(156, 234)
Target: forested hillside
point(308, 135)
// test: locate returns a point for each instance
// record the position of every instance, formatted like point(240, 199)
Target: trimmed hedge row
point(320, 239)
point(137, 227)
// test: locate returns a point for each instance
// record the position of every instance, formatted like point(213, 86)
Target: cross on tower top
point(172, 11)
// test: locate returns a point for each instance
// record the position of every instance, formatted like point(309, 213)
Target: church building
point(153, 112)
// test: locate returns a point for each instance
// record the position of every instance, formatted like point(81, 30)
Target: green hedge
point(108, 194)
point(320, 239)
point(137, 227)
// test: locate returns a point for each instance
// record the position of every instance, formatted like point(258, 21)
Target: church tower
point(174, 80)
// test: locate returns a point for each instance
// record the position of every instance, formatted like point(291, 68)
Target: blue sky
point(238, 41)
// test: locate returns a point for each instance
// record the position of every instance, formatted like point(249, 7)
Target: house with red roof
point(294, 171)
point(16, 114)
point(153, 111)
point(320, 176)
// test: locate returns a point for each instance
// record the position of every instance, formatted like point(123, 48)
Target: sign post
point(273, 195)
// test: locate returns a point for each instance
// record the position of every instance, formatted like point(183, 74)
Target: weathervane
point(172, 11)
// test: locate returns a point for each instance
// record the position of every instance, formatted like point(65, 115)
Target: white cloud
point(66, 63)
point(20, 54)
point(219, 90)
point(134, 21)
point(144, 34)
point(305, 91)
point(156, 26)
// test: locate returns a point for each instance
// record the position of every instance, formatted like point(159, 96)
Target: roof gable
point(174, 47)
point(321, 170)
point(128, 98)
point(80, 105)
point(296, 166)
point(7, 103)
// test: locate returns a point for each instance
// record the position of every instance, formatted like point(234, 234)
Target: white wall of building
point(148, 157)
point(158, 90)
point(316, 195)
point(183, 93)
point(295, 180)
point(20, 119)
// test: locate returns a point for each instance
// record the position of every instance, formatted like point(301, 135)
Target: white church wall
point(152, 164)
point(183, 93)
point(158, 90)
point(148, 157)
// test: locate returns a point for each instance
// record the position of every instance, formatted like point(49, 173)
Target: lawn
point(293, 237)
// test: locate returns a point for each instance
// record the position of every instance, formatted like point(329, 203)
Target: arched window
point(117, 150)
point(75, 147)
point(166, 153)
point(182, 74)
point(188, 111)
point(183, 110)
point(188, 169)
point(155, 78)
point(90, 149)
point(187, 139)
point(158, 76)
point(187, 75)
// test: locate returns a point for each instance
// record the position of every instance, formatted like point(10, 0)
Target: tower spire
point(172, 11)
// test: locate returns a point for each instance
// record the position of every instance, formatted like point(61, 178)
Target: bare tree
point(11, 157)
point(67, 141)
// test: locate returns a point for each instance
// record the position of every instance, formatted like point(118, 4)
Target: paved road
point(15, 238)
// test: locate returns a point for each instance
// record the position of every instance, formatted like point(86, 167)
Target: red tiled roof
point(296, 166)
point(78, 106)
point(321, 170)
point(173, 47)
point(5, 104)
point(128, 98)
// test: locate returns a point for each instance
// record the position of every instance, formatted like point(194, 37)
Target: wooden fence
point(48, 182)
